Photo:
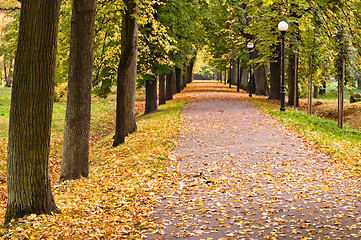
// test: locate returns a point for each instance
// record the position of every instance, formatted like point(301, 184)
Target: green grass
point(343, 144)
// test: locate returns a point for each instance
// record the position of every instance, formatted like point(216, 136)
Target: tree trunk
point(161, 89)
point(174, 86)
point(260, 76)
point(127, 73)
point(31, 111)
point(75, 160)
point(150, 96)
point(244, 79)
point(275, 73)
point(234, 73)
point(315, 92)
point(190, 69)
point(169, 87)
point(291, 81)
point(178, 79)
point(5, 74)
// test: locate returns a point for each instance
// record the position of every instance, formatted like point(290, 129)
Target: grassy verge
point(343, 144)
point(112, 203)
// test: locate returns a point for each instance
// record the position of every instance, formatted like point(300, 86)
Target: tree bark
point(75, 159)
point(31, 111)
point(150, 96)
point(244, 78)
point(315, 92)
point(127, 73)
point(178, 79)
point(169, 87)
point(291, 81)
point(190, 71)
point(174, 86)
point(260, 77)
point(162, 89)
point(275, 72)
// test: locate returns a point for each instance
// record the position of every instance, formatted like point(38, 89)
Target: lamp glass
point(283, 26)
point(250, 45)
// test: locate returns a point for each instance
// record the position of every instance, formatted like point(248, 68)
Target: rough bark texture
point(75, 160)
point(174, 86)
point(150, 96)
point(31, 110)
point(169, 87)
point(162, 89)
point(244, 78)
point(291, 81)
point(127, 73)
point(234, 73)
point(178, 79)
point(275, 72)
point(260, 77)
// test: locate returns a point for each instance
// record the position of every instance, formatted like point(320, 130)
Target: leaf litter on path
point(238, 174)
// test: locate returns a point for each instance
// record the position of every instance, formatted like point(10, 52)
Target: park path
point(241, 175)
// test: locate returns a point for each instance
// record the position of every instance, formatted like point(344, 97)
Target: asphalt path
point(242, 175)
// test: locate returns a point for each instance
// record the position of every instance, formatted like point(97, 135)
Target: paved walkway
point(243, 176)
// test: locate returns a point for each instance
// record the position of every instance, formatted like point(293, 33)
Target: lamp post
point(283, 27)
point(250, 46)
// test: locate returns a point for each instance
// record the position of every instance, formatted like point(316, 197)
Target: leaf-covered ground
point(113, 202)
point(238, 174)
point(235, 174)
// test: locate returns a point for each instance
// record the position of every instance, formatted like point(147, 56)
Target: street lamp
point(250, 46)
point(283, 27)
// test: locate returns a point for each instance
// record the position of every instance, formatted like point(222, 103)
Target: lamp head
point(283, 26)
point(250, 45)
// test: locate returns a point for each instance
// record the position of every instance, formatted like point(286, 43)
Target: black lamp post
point(250, 46)
point(283, 27)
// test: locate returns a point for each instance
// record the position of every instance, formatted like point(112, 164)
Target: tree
point(161, 90)
point(31, 111)
point(75, 159)
point(127, 73)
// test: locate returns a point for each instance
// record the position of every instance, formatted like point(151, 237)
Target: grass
point(343, 144)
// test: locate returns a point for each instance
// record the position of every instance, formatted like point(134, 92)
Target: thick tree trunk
point(162, 89)
point(291, 81)
point(244, 79)
point(31, 111)
point(174, 86)
point(150, 96)
point(275, 73)
point(234, 73)
point(169, 87)
point(315, 92)
point(75, 160)
point(260, 77)
point(178, 79)
point(127, 73)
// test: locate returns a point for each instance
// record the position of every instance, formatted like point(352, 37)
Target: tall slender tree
point(31, 111)
point(75, 159)
point(127, 74)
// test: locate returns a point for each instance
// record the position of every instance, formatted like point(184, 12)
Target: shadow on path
point(238, 174)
